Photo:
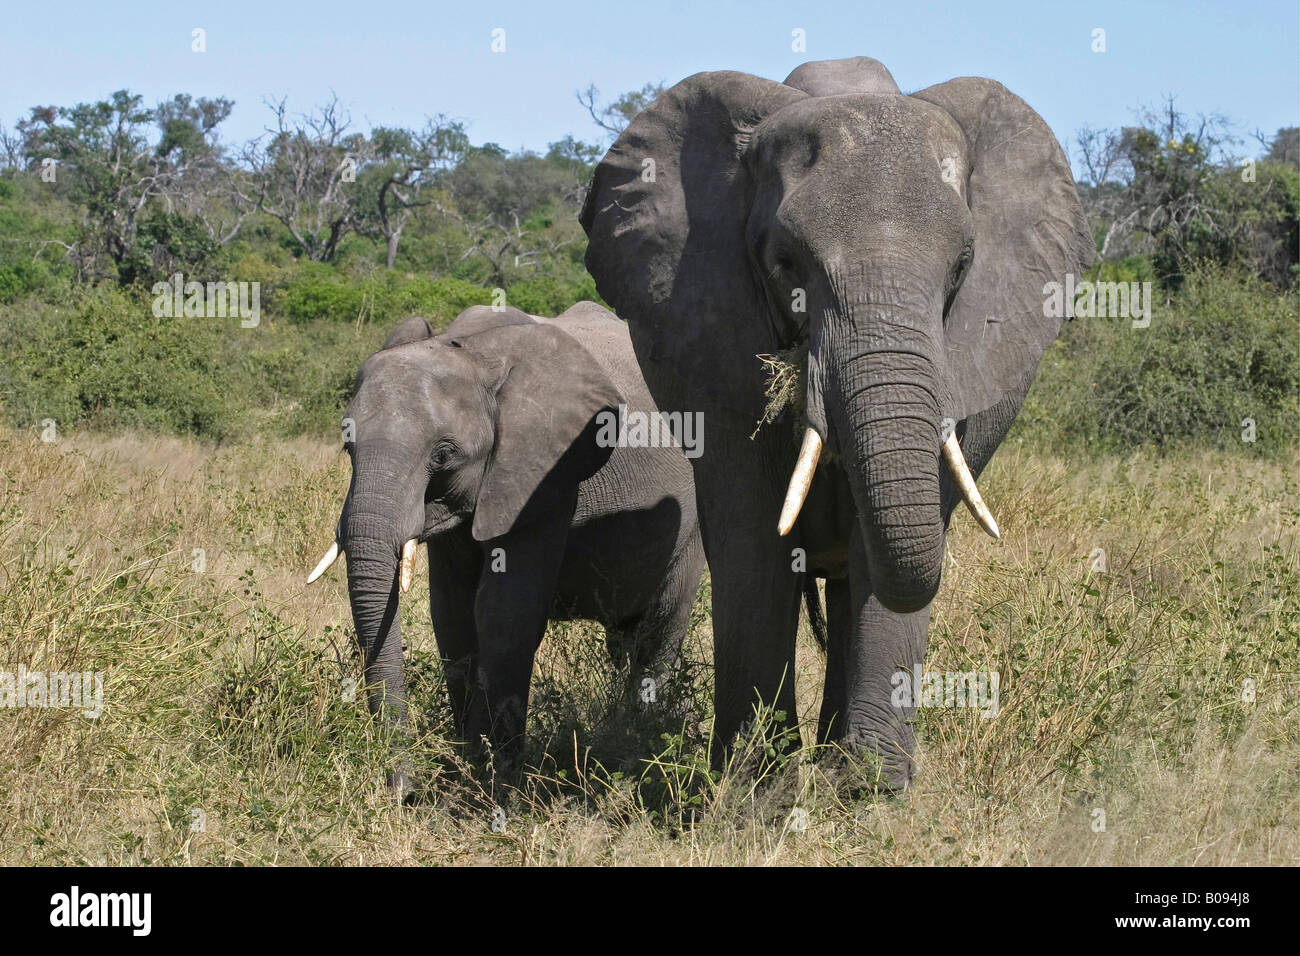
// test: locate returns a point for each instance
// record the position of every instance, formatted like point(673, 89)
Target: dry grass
point(229, 734)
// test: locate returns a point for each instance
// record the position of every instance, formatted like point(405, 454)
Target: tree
point(1103, 187)
point(613, 117)
point(1174, 160)
point(212, 194)
point(11, 148)
point(1170, 188)
point(106, 162)
point(1285, 147)
point(519, 212)
point(405, 163)
point(302, 175)
point(1259, 203)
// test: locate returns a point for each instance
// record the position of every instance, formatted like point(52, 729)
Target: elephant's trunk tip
point(970, 494)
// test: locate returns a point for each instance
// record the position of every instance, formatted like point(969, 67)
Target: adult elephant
point(494, 443)
point(904, 242)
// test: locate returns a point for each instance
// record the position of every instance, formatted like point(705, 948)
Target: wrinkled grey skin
point(920, 229)
point(481, 442)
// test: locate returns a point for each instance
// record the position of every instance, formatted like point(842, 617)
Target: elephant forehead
point(874, 122)
point(895, 147)
point(421, 374)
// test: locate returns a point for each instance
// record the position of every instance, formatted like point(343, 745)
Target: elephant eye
point(783, 265)
point(959, 271)
point(964, 261)
point(443, 452)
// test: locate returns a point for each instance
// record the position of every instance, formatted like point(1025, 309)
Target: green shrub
point(18, 279)
point(108, 360)
point(319, 292)
point(1223, 352)
point(34, 233)
point(544, 295)
point(438, 300)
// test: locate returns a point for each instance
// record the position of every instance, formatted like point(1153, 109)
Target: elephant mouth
point(446, 524)
point(793, 362)
point(407, 565)
point(810, 453)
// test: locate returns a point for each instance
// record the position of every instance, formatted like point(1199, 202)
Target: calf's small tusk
point(408, 565)
point(331, 556)
point(800, 481)
point(966, 485)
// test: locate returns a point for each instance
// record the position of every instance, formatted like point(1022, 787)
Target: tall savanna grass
point(1142, 611)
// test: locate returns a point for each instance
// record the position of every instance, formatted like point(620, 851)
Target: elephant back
point(607, 338)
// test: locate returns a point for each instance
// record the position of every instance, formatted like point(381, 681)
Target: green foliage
point(544, 295)
point(474, 219)
point(100, 358)
point(113, 164)
point(1170, 176)
point(35, 230)
point(1261, 220)
point(22, 278)
point(1223, 351)
point(321, 293)
point(168, 242)
point(1170, 190)
point(109, 361)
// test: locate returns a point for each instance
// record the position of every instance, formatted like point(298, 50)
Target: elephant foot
point(398, 782)
point(399, 785)
point(868, 769)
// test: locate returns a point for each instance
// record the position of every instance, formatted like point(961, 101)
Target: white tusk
point(966, 485)
point(408, 565)
point(331, 556)
point(800, 480)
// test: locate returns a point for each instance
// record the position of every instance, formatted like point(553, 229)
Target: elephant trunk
point(373, 534)
point(878, 374)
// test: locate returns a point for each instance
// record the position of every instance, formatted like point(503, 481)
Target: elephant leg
point(656, 641)
point(651, 643)
point(517, 582)
point(455, 564)
point(884, 648)
point(756, 589)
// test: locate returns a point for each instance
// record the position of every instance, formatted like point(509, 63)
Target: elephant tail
point(816, 616)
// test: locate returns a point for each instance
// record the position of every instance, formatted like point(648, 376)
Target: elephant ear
point(1029, 230)
point(666, 216)
point(414, 329)
point(549, 391)
point(854, 74)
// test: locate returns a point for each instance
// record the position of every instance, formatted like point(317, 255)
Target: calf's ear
point(549, 394)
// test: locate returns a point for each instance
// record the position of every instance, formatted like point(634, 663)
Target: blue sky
point(394, 63)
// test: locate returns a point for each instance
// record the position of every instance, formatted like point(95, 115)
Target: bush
point(109, 361)
point(544, 295)
point(22, 278)
point(439, 300)
point(1223, 352)
point(320, 292)
point(34, 231)
point(314, 299)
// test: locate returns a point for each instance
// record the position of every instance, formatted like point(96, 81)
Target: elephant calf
point(490, 444)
